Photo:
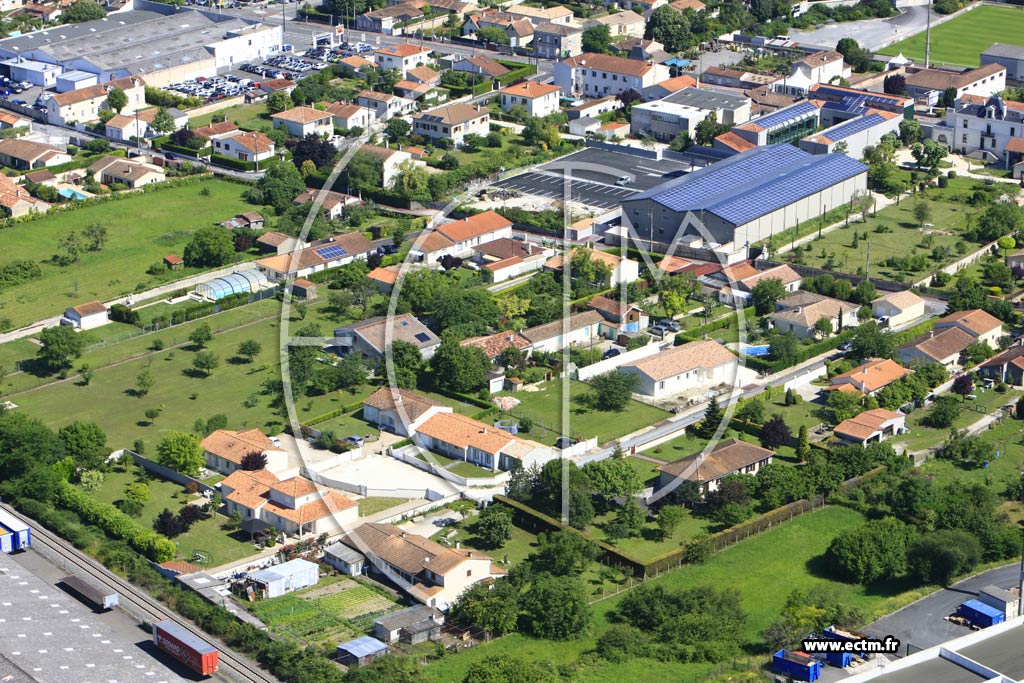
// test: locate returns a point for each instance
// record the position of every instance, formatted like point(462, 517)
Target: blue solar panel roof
point(781, 117)
point(331, 252)
point(754, 183)
point(852, 127)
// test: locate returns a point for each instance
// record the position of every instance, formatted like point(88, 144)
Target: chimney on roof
point(458, 544)
point(403, 535)
point(931, 334)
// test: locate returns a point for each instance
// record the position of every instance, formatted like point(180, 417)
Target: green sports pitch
point(961, 40)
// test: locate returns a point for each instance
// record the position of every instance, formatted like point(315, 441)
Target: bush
point(943, 181)
point(115, 523)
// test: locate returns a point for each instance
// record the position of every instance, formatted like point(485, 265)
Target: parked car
point(669, 324)
point(610, 353)
point(845, 346)
point(354, 440)
point(658, 331)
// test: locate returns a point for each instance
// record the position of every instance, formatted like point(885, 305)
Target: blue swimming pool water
point(761, 350)
point(68, 193)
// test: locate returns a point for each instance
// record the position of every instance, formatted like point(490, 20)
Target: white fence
point(601, 367)
point(408, 455)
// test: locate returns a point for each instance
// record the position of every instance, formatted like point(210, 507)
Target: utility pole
point(928, 38)
point(867, 264)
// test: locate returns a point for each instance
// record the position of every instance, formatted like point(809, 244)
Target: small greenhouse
point(242, 282)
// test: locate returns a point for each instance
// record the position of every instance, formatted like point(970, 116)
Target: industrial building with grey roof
point(178, 46)
point(744, 199)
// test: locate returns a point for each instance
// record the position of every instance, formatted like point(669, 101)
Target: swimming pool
point(68, 193)
point(761, 350)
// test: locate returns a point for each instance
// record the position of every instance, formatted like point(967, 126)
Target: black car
point(610, 353)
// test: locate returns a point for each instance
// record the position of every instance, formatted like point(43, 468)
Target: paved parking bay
point(594, 173)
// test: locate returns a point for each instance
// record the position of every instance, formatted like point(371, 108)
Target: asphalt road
point(872, 34)
point(921, 624)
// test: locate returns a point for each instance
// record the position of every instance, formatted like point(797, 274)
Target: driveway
point(922, 623)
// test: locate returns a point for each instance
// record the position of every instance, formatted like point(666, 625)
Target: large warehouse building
point(744, 199)
point(162, 48)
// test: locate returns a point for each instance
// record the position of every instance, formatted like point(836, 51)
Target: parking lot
point(596, 175)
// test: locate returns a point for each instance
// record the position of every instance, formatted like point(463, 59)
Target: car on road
point(169, 156)
point(623, 180)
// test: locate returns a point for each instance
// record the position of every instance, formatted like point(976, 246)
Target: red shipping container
point(187, 648)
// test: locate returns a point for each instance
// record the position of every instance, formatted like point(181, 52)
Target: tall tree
point(211, 246)
point(85, 442)
point(613, 390)
point(117, 99)
point(766, 293)
point(61, 347)
point(181, 452)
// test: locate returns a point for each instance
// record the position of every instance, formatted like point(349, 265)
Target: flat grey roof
point(138, 41)
point(706, 98)
point(933, 671)
point(51, 636)
point(1002, 653)
point(1004, 50)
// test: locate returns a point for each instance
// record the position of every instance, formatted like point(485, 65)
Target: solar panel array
point(784, 116)
point(807, 178)
point(852, 127)
point(754, 183)
point(331, 252)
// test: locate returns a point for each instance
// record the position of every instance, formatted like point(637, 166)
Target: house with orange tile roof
point(506, 258)
point(401, 57)
point(493, 345)
point(462, 438)
point(622, 269)
point(370, 338)
point(400, 411)
point(667, 87)
point(800, 312)
point(734, 285)
point(698, 365)
point(87, 316)
point(1007, 367)
point(983, 326)
point(385, 105)
point(596, 75)
point(430, 573)
point(944, 347)
point(385, 277)
point(871, 426)
point(538, 99)
point(727, 457)
point(303, 121)
point(452, 122)
point(337, 251)
point(16, 201)
point(349, 116)
point(85, 104)
point(295, 506)
point(871, 375)
point(225, 449)
point(619, 317)
point(459, 237)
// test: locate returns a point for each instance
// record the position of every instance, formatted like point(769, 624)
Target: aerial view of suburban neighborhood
point(511, 341)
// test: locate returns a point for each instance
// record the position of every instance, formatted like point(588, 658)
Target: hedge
point(115, 523)
point(181, 149)
point(518, 73)
point(14, 132)
point(236, 164)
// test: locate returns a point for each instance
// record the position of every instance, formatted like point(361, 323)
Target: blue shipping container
point(797, 665)
point(839, 659)
point(980, 614)
point(22, 537)
point(6, 541)
point(833, 633)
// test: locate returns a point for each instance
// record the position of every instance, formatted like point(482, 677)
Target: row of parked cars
point(213, 88)
point(293, 64)
point(334, 55)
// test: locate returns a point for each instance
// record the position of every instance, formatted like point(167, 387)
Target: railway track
point(238, 669)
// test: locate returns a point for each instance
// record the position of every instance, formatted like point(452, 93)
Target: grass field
point(181, 394)
point(545, 408)
point(961, 40)
point(141, 230)
point(764, 569)
point(837, 250)
point(247, 116)
point(921, 436)
point(205, 536)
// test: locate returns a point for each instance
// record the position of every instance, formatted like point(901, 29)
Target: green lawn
point(837, 251)
point(206, 536)
point(371, 506)
point(99, 354)
point(141, 230)
point(960, 41)
point(247, 116)
point(649, 544)
point(921, 436)
point(545, 408)
point(764, 569)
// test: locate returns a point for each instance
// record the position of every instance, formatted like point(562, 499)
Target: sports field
point(960, 41)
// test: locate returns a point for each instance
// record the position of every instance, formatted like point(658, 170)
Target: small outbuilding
point(413, 625)
point(173, 261)
point(285, 578)
point(1006, 601)
point(86, 316)
point(361, 651)
point(304, 289)
point(346, 560)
